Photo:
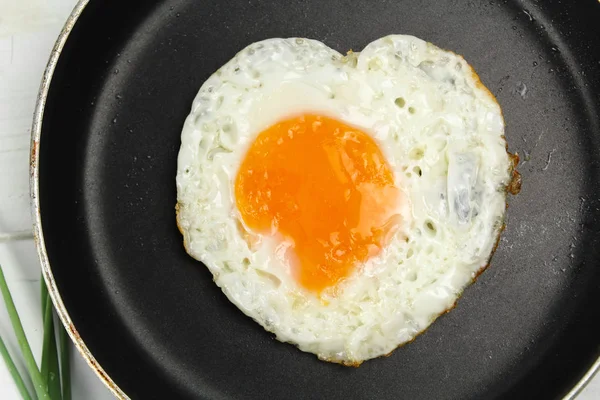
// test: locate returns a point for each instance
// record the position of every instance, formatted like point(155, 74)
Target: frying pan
point(149, 319)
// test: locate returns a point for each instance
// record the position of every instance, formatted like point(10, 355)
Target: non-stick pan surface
point(151, 315)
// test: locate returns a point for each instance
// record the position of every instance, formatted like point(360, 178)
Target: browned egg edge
point(513, 187)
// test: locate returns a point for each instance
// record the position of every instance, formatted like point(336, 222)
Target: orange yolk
point(326, 188)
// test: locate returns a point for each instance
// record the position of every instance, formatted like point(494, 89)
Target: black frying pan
point(105, 152)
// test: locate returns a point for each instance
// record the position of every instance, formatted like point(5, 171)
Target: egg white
point(442, 134)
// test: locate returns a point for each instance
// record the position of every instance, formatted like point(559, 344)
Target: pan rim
point(38, 234)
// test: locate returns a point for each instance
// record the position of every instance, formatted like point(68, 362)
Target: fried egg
point(343, 202)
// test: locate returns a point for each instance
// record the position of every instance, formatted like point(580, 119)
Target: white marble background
point(28, 29)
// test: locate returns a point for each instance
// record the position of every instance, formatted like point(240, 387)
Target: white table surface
point(28, 29)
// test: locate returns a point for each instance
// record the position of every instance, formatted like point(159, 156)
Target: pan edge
point(584, 381)
point(38, 234)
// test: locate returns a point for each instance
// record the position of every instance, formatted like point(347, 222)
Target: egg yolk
point(326, 188)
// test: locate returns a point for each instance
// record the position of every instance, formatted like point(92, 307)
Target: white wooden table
point(28, 29)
